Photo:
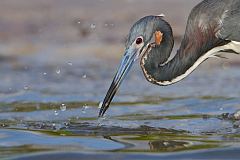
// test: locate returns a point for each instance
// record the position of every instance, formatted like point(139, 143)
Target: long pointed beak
point(127, 61)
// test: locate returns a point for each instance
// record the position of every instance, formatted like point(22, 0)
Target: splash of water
point(63, 107)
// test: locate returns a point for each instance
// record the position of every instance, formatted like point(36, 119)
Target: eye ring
point(139, 40)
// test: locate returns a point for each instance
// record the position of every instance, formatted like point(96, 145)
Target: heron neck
point(176, 69)
point(190, 55)
point(168, 72)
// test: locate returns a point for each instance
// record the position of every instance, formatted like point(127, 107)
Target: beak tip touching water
point(108, 98)
point(102, 111)
point(123, 69)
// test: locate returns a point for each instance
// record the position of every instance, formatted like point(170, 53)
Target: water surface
point(51, 110)
point(57, 61)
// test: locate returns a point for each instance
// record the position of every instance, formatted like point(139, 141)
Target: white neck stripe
point(235, 46)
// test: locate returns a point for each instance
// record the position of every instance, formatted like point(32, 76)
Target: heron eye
point(139, 41)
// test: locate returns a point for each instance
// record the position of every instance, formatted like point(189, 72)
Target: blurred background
point(47, 45)
point(72, 29)
point(57, 60)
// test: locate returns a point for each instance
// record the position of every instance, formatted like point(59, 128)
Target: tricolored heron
point(213, 26)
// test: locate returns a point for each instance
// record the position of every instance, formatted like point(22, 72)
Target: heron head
point(147, 35)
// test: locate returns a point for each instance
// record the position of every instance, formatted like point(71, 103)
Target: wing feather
point(230, 22)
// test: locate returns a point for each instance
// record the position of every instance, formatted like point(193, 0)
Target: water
point(57, 116)
point(57, 62)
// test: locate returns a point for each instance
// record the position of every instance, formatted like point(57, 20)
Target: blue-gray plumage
point(213, 26)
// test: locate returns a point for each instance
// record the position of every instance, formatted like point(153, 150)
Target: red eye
point(139, 41)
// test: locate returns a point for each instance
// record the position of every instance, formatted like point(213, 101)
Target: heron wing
point(230, 22)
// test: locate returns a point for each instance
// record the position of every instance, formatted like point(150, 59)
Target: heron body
point(213, 26)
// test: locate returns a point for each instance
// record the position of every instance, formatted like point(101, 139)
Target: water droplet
point(56, 113)
point(58, 71)
point(63, 107)
point(109, 25)
point(112, 24)
point(3, 125)
point(165, 143)
point(100, 105)
point(44, 73)
point(84, 76)
point(66, 123)
point(26, 87)
point(84, 108)
point(57, 127)
point(70, 63)
point(236, 115)
point(93, 26)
